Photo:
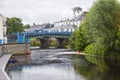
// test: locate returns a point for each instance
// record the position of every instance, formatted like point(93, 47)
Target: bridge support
point(21, 37)
point(44, 43)
point(62, 42)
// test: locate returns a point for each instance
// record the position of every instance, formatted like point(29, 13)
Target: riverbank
point(21, 59)
point(3, 63)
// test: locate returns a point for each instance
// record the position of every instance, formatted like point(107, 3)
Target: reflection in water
point(97, 69)
point(77, 68)
point(46, 72)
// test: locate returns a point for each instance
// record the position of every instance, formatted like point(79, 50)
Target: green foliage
point(78, 41)
point(34, 42)
point(100, 31)
point(96, 48)
point(67, 47)
point(53, 42)
point(26, 26)
point(117, 42)
point(72, 40)
point(101, 26)
point(14, 25)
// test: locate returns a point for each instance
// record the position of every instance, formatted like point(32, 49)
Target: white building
point(3, 29)
point(69, 24)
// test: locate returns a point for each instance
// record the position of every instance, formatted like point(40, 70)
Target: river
point(53, 64)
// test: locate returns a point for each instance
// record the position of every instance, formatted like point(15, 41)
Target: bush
point(35, 42)
point(94, 49)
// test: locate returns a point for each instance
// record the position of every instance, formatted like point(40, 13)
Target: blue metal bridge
point(41, 32)
point(61, 33)
point(25, 36)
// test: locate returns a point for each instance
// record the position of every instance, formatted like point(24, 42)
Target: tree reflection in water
point(94, 68)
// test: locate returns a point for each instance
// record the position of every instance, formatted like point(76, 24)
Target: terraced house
point(3, 29)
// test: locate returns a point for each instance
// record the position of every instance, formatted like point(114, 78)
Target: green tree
point(26, 26)
point(101, 28)
point(78, 10)
point(35, 42)
point(101, 25)
point(72, 40)
point(78, 40)
point(14, 25)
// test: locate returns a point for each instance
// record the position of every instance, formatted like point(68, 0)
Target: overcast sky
point(41, 11)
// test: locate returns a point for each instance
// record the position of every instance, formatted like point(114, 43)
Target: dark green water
point(97, 69)
point(65, 67)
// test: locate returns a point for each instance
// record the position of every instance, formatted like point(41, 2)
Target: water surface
point(50, 65)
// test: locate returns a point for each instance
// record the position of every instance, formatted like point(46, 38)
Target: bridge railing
point(25, 36)
point(46, 33)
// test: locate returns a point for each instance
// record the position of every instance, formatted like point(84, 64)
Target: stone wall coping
point(3, 63)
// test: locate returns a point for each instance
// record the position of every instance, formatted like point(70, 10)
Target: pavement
point(3, 62)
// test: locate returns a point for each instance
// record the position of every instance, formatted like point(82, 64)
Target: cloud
point(41, 11)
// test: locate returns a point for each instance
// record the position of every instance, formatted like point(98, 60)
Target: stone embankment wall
point(0, 50)
point(14, 48)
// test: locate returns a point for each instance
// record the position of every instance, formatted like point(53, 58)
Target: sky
point(42, 11)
